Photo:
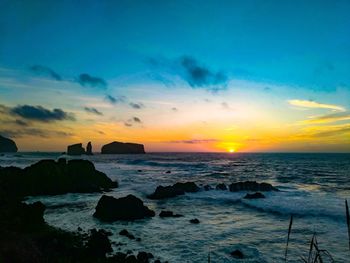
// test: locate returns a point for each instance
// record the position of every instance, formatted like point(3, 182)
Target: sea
point(313, 188)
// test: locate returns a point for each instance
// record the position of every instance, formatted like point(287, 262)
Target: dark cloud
point(127, 124)
point(42, 70)
point(198, 75)
point(195, 141)
point(88, 80)
point(191, 70)
point(136, 119)
point(40, 113)
point(174, 109)
point(136, 105)
point(115, 100)
point(33, 132)
point(21, 123)
point(93, 111)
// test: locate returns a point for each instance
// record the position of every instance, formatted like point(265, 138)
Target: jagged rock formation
point(89, 149)
point(122, 148)
point(48, 177)
point(7, 145)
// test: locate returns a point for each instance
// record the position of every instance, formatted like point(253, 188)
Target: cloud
point(195, 141)
point(225, 105)
point(88, 80)
point(33, 132)
point(339, 116)
point(40, 113)
point(93, 111)
point(127, 124)
point(191, 70)
point(174, 109)
point(42, 70)
point(115, 100)
point(21, 123)
point(314, 104)
point(136, 105)
point(136, 119)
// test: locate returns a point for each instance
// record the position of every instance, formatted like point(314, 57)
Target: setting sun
point(231, 150)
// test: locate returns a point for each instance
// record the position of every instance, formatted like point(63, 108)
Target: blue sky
point(176, 48)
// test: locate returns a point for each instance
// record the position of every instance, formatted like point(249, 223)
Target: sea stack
point(75, 149)
point(89, 149)
point(7, 145)
point(122, 148)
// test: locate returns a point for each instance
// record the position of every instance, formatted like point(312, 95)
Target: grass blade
point(289, 231)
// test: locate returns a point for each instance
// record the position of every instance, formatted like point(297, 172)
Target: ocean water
point(313, 189)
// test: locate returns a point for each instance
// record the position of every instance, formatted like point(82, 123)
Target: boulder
point(194, 221)
point(7, 145)
point(122, 148)
point(221, 187)
point(163, 192)
point(165, 213)
point(127, 234)
point(256, 195)
point(98, 243)
point(207, 187)
point(237, 254)
point(89, 149)
point(251, 186)
point(144, 257)
point(75, 149)
point(48, 177)
point(126, 208)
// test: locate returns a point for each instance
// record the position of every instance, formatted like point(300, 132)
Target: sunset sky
point(184, 75)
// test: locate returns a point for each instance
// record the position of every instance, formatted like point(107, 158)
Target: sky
point(187, 76)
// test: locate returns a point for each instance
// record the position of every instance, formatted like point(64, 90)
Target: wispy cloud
point(115, 100)
point(46, 71)
point(136, 105)
point(338, 116)
point(195, 141)
point(88, 80)
point(93, 111)
point(314, 104)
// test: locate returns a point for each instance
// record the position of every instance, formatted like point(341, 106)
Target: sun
point(231, 150)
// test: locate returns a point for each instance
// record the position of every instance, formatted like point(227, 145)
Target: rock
point(126, 208)
point(48, 177)
point(251, 186)
point(168, 172)
point(163, 192)
point(98, 243)
point(131, 259)
point(237, 254)
point(138, 239)
point(122, 148)
point(194, 221)
point(221, 187)
point(144, 257)
point(75, 149)
point(165, 213)
point(256, 195)
point(207, 187)
point(89, 149)
point(125, 232)
point(118, 257)
point(7, 145)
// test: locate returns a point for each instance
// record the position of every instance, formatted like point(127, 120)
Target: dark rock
point(165, 213)
point(126, 233)
point(131, 259)
point(138, 239)
point(7, 145)
point(168, 172)
point(89, 149)
point(98, 243)
point(237, 254)
point(251, 186)
point(144, 257)
point(157, 261)
point(163, 192)
point(79, 229)
point(256, 195)
point(118, 257)
point(75, 149)
point(221, 187)
point(194, 221)
point(207, 187)
point(122, 148)
point(48, 177)
point(125, 208)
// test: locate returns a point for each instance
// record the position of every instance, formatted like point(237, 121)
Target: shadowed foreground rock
point(122, 148)
point(166, 213)
point(251, 186)
point(163, 192)
point(48, 177)
point(126, 208)
point(7, 145)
